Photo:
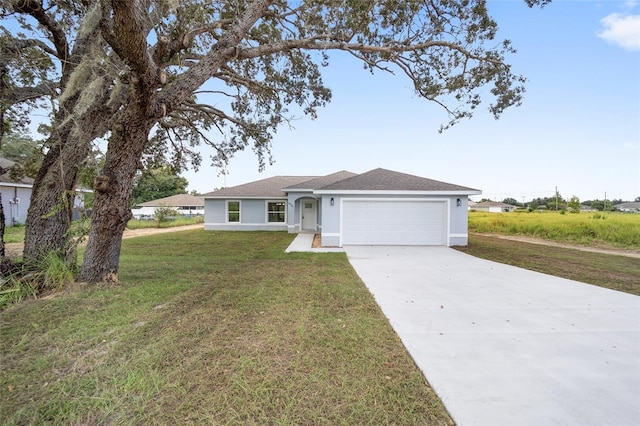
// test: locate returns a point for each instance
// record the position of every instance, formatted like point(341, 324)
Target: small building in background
point(184, 204)
point(587, 208)
point(16, 195)
point(628, 207)
point(493, 207)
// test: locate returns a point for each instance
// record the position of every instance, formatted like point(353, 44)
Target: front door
point(309, 215)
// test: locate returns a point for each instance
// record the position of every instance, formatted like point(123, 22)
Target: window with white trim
point(276, 211)
point(233, 211)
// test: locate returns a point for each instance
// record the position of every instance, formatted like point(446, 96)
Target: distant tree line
point(557, 202)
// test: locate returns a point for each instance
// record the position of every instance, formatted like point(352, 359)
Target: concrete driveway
point(506, 346)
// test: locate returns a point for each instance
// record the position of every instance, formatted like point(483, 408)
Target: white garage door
point(393, 222)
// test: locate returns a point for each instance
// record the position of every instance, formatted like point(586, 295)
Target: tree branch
point(220, 53)
point(126, 33)
point(34, 9)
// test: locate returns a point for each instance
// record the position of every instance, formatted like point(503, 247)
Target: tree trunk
point(2, 253)
point(111, 207)
point(49, 216)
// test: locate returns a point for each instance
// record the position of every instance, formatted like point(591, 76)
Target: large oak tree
point(188, 69)
point(53, 57)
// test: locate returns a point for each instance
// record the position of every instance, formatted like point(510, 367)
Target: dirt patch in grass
point(609, 270)
point(14, 250)
point(602, 248)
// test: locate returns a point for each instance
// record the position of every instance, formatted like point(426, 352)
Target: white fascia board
point(172, 205)
point(235, 197)
point(16, 185)
point(360, 192)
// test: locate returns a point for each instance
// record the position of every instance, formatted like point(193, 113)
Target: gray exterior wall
point(15, 213)
point(253, 215)
point(330, 221)
point(458, 221)
point(457, 216)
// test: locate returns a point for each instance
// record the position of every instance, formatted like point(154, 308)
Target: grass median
point(212, 328)
point(605, 270)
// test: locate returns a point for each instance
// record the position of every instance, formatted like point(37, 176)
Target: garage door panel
point(393, 222)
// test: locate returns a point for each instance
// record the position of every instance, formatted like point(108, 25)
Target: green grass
point(610, 271)
point(14, 234)
point(212, 328)
point(613, 229)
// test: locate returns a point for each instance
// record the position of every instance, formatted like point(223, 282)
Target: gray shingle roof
point(265, 188)
point(322, 181)
point(178, 200)
point(7, 164)
point(388, 180)
point(374, 180)
point(631, 205)
point(493, 204)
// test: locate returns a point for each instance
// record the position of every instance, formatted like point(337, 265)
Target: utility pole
point(556, 198)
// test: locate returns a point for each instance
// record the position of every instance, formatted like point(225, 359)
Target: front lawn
point(212, 328)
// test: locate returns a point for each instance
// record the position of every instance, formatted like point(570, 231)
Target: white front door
point(309, 215)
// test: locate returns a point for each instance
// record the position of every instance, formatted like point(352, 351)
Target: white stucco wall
point(15, 203)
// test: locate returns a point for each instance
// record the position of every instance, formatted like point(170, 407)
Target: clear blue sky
point(578, 129)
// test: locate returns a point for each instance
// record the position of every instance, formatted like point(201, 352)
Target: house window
point(233, 211)
point(276, 211)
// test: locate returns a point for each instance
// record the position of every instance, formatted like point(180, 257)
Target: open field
point(620, 230)
point(211, 328)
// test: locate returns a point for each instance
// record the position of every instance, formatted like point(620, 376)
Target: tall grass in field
point(617, 229)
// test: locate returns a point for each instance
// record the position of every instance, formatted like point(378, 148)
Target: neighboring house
point(380, 207)
point(493, 207)
point(628, 207)
point(185, 204)
point(16, 195)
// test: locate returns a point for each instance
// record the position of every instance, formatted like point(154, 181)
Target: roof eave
point(244, 197)
point(17, 184)
point(389, 192)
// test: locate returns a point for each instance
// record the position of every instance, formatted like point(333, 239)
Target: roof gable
point(388, 180)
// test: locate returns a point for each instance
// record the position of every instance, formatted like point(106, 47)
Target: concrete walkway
point(506, 346)
point(304, 243)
